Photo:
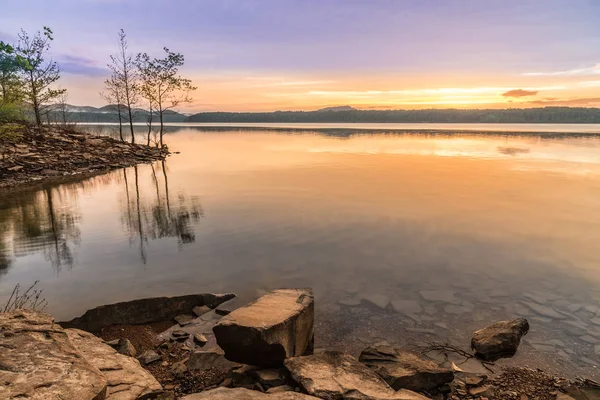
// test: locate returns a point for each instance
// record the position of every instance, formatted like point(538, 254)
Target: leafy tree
point(163, 84)
point(38, 74)
point(125, 78)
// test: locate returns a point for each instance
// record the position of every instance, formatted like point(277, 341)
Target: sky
point(267, 55)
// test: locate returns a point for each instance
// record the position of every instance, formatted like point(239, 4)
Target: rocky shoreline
point(210, 346)
point(53, 153)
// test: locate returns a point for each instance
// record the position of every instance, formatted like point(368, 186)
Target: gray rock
point(183, 319)
point(545, 311)
point(144, 311)
point(223, 393)
point(270, 377)
point(178, 333)
point(204, 359)
point(126, 379)
point(277, 326)
point(499, 340)
point(201, 310)
point(349, 302)
point(179, 368)
point(444, 296)
point(228, 306)
point(200, 339)
point(407, 306)
point(405, 370)
point(148, 357)
point(376, 300)
point(333, 375)
point(39, 362)
point(126, 348)
point(589, 339)
point(280, 389)
point(453, 309)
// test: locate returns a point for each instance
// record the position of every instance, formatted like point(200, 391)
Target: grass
point(29, 299)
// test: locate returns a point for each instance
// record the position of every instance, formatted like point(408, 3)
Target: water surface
point(449, 231)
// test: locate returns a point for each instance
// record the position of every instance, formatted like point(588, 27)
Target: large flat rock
point(126, 379)
point(277, 326)
point(245, 394)
point(333, 376)
point(143, 311)
point(38, 362)
point(405, 370)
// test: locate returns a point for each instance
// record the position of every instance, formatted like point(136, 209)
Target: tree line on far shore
point(29, 89)
point(551, 115)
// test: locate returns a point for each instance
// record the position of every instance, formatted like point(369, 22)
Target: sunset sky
point(266, 55)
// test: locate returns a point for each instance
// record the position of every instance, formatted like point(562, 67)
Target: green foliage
point(38, 74)
point(11, 133)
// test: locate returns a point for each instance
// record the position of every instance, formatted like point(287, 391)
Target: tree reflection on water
point(47, 220)
point(157, 216)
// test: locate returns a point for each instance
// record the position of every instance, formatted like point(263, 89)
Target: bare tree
point(112, 95)
point(165, 87)
point(61, 109)
point(39, 75)
point(125, 76)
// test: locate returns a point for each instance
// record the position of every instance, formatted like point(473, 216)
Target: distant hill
point(109, 113)
point(335, 114)
point(337, 108)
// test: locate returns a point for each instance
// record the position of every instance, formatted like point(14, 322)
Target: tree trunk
point(131, 124)
point(149, 125)
point(160, 113)
point(120, 122)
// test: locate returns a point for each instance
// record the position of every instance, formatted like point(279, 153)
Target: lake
point(408, 237)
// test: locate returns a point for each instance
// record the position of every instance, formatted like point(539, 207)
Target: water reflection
point(38, 222)
point(157, 216)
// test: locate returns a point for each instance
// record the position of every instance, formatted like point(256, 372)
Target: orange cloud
point(520, 93)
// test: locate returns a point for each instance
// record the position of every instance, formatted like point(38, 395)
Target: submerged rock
point(405, 370)
point(39, 362)
point(334, 375)
point(244, 394)
point(499, 340)
point(277, 326)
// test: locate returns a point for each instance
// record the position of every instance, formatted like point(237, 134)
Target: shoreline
point(58, 155)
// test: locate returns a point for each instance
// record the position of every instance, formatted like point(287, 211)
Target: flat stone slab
point(38, 361)
point(126, 379)
point(244, 394)
point(407, 306)
point(276, 326)
point(405, 370)
point(143, 311)
point(443, 296)
point(333, 375)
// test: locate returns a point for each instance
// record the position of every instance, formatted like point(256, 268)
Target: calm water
point(454, 230)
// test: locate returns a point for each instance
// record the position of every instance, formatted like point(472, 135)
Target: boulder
point(143, 311)
point(244, 394)
point(126, 379)
point(333, 375)
point(39, 362)
point(499, 340)
point(405, 370)
point(277, 326)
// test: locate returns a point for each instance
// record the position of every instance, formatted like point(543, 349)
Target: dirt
point(52, 153)
point(145, 337)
